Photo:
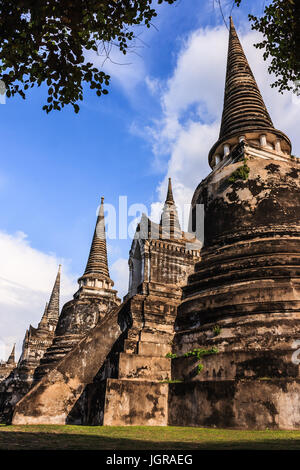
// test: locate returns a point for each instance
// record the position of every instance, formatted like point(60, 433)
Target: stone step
point(130, 402)
point(157, 337)
point(57, 351)
point(136, 366)
point(146, 348)
point(157, 326)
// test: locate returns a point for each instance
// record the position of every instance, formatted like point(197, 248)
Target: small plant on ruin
point(199, 368)
point(217, 330)
point(171, 355)
point(241, 173)
point(198, 352)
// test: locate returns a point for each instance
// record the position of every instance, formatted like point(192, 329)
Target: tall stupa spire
point(244, 112)
point(169, 218)
point(95, 280)
point(11, 359)
point(243, 104)
point(97, 261)
point(53, 306)
point(170, 198)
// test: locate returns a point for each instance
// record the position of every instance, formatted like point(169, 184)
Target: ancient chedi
point(118, 373)
point(243, 299)
point(94, 298)
point(7, 367)
point(36, 341)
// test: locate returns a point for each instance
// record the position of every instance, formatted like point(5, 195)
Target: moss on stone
point(201, 352)
point(240, 173)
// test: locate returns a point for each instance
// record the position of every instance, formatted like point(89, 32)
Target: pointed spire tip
point(52, 309)
point(11, 358)
point(244, 109)
point(170, 197)
point(97, 260)
point(101, 208)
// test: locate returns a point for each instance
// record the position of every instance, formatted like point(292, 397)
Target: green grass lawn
point(142, 438)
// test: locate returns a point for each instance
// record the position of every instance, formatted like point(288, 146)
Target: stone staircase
point(140, 393)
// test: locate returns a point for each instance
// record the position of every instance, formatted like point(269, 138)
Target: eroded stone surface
point(248, 404)
point(136, 403)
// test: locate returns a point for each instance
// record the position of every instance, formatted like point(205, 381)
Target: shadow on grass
point(58, 441)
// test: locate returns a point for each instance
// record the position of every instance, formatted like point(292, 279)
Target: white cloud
point(191, 104)
point(27, 276)
point(120, 275)
point(199, 71)
point(153, 85)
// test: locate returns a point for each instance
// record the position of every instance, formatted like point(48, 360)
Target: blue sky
point(160, 118)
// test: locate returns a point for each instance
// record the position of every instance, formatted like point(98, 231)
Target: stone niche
point(136, 268)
